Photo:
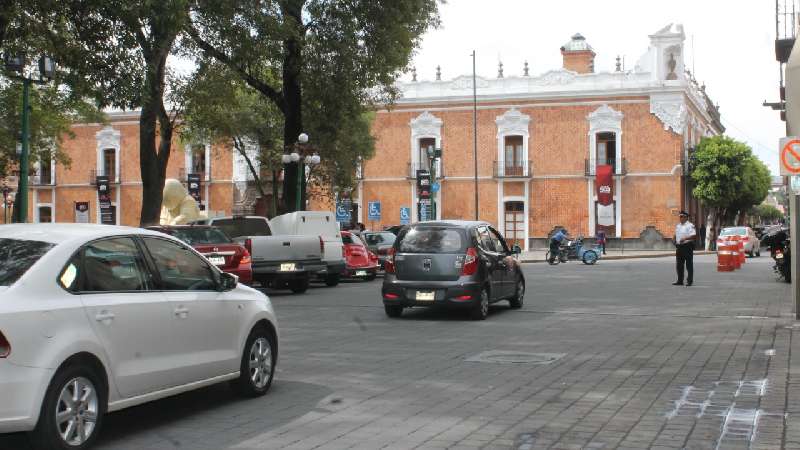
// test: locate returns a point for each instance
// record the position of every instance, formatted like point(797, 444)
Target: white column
point(618, 226)
point(119, 204)
point(527, 209)
point(592, 208)
point(500, 207)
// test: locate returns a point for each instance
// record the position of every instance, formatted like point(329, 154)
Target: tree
point(728, 179)
point(320, 62)
point(767, 213)
point(221, 108)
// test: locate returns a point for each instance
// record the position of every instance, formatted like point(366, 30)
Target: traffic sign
point(343, 212)
point(435, 187)
point(790, 155)
point(374, 212)
point(405, 215)
point(423, 211)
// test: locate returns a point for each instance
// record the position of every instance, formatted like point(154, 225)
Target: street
point(606, 356)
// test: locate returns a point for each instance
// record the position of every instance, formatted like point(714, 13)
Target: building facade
point(545, 143)
point(69, 193)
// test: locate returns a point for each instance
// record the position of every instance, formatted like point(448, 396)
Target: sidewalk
point(536, 256)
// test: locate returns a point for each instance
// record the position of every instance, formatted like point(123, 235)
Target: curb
point(619, 257)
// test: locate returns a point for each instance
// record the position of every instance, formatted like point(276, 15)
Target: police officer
point(685, 236)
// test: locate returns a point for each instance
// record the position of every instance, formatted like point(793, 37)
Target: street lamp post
point(297, 158)
point(17, 63)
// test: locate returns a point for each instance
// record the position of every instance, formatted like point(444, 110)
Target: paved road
point(616, 358)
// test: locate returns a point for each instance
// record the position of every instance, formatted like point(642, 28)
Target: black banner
point(423, 183)
point(108, 213)
point(193, 180)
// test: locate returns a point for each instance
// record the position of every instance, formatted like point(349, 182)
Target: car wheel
point(72, 411)
point(519, 296)
point(299, 286)
point(332, 280)
point(590, 257)
point(393, 311)
point(481, 309)
point(258, 364)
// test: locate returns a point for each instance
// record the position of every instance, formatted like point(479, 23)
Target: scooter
point(589, 256)
point(778, 242)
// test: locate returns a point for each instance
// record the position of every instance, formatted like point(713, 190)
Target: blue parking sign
point(343, 212)
point(374, 211)
point(405, 215)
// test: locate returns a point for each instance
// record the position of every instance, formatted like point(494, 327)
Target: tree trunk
point(153, 160)
point(238, 144)
point(292, 93)
point(710, 238)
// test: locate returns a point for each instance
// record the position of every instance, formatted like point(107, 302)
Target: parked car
point(317, 223)
point(752, 245)
point(379, 242)
point(394, 229)
point(459, 264)
point(278, 261)
point(361, 263)
point(98, 318)
point(216, 246)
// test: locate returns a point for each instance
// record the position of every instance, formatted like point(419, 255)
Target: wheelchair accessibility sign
point(374, 212)
point(405, 215)
point(342, 212)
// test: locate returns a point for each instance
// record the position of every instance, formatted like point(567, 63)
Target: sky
point(730, 44)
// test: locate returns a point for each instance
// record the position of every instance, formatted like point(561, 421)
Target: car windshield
point(432, 240)
point(734, 231)
point(243, 226)
point(17, 256)
point(379, 238)
point(195, 236)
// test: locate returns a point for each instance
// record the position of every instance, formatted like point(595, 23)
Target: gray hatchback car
point(460, 264)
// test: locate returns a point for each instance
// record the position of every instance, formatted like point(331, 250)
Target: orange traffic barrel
point(737, 260)
point(725, 258)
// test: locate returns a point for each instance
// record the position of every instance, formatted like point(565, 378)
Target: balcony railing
point(41, 180)
point(620, 166)
point(413, 167)
point(112, 179)
point(512, 169)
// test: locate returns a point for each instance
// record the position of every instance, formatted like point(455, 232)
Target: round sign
point(435, 187)
point(790, 156)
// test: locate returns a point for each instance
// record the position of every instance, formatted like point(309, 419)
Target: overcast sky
point(733, 48)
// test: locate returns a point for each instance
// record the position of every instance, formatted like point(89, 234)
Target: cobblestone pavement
point(600, 357)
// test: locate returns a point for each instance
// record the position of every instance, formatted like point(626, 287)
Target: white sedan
point(97, 318)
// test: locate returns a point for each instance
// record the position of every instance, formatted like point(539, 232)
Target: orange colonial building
point(540, 141)
point(59, 193)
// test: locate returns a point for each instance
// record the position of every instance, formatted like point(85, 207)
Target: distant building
point(544, 141)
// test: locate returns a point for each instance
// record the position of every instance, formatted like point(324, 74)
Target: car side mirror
point(516, 250)
point(228, 281)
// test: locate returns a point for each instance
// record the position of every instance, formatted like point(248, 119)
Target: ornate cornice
point(426, 124)
point(108, 137)
point(670, 110)
point(554, 77)
point(605, 118)
point(513, 122)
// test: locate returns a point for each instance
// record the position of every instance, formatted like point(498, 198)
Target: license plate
point(287, 267)
point(217, 260)
point(425, 296)
point(361, 273)
point(779, 256)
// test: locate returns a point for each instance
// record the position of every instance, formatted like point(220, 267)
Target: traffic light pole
point(22, 196)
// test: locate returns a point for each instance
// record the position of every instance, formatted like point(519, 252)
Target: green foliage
point(52, 113)
point(767, 213)
point(727, 175)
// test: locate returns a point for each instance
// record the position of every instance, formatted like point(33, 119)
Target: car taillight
point(388, 265)
point(321, 245)
point(5, 346)
point(373, 257)
point(245, 258)
point(248, 245)
point(470, 262)
point(391, 296)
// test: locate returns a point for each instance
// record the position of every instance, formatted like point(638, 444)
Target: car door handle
point(104, 316)
point(182, 312)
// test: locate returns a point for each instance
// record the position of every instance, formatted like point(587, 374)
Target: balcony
point(411, 173)
point(112, 179)
point(512, 169)
point(620, 167)
point(183, 175)
point(45, 179)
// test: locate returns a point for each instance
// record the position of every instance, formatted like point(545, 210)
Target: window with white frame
point(44, 213)
point(514, 156)
point(110, 164)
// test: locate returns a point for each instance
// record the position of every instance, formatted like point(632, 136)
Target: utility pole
point(475, 130)
point(21, 210)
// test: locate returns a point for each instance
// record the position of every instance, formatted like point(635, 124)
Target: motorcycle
point(778, 242)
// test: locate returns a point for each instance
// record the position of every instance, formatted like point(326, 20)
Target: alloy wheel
point(77, 411)
point(260, 362)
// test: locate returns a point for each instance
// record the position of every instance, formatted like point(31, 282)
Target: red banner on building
point(604, 181)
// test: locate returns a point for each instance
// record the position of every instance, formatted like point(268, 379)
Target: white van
point(316, 223)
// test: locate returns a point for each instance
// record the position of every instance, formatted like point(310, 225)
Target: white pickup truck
point(317, 223)
point(279, 262)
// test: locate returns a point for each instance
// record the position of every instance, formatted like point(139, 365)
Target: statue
point(671, 66)
point(178, 207)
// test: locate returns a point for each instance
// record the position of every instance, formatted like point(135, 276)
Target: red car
point(360, 262)
point(216, 246)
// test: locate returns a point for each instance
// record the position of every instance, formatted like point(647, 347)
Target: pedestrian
point(685, 236)
point(601, 238)
point(555, 243)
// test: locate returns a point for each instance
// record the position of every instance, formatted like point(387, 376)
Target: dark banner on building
point(107, 211)
point(193, 180)
point(424, 184)
point(604, 182)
